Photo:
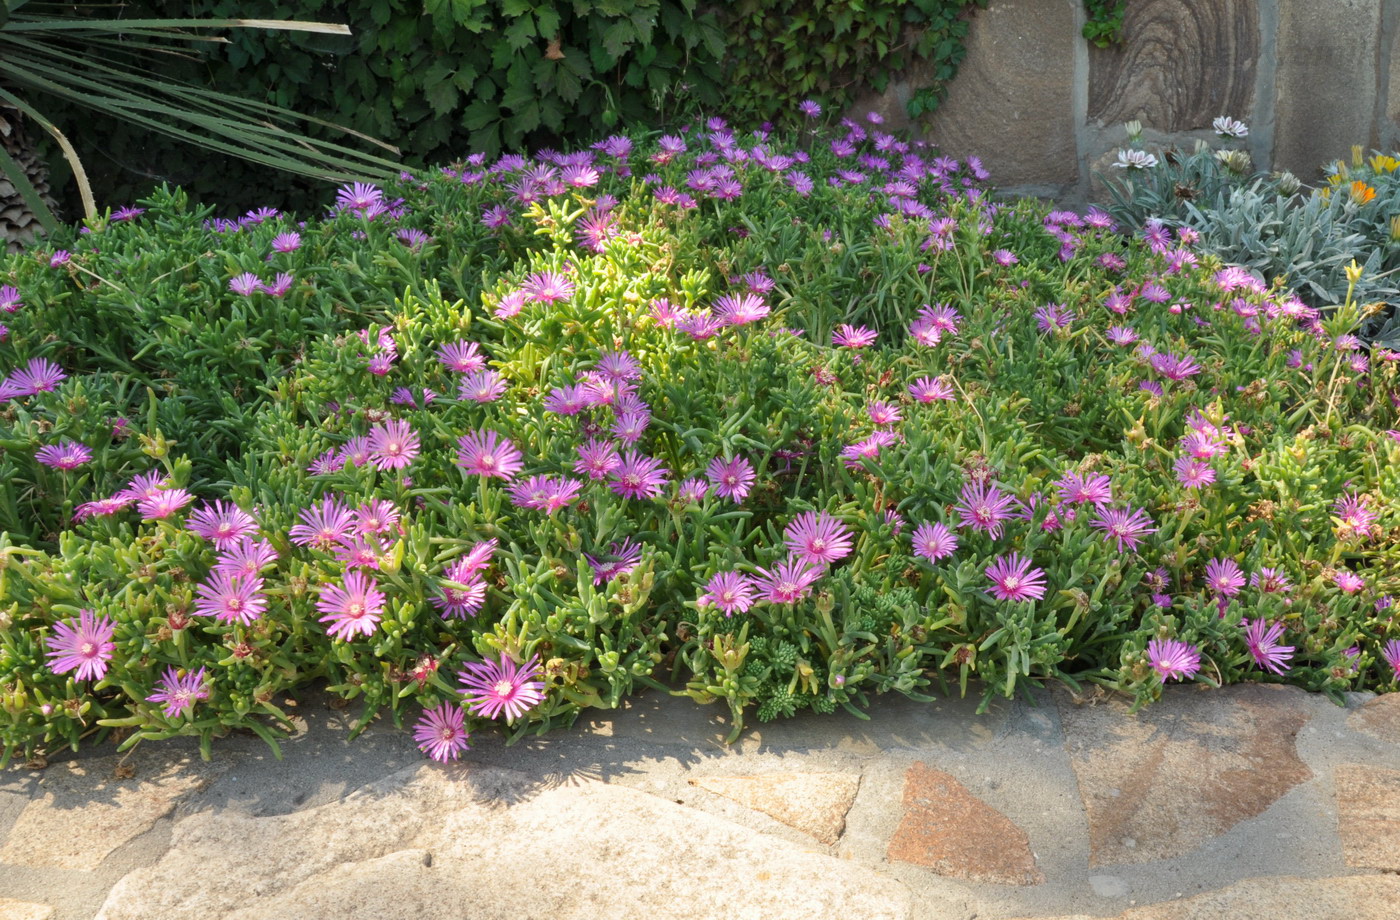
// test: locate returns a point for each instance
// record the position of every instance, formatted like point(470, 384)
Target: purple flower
point(545, 493)
point(638, 476)
point(179, 692)
point(231, 598)
point(65, 455)
point(351, 608)
point(493, 687)
point(222, 522)
point(244, 284)
point(246, 558)
point(40, 375)
point(441, 732)
point(928, 389)
point(1005, 258)
point(983, 507)
point(10, 298)
point(1173, 367)
point(732, 479)
point(692, 490)
point(731, 592)
point(849, 336)
point(739, 309)
point(325, 525)
point(1013, 579)
point(1194, 474)
point(1391, 653)
point(1173, 658)
point(1263, 645)
point(461, 357)
point(392, 445)
point(597, 459)
point(1124, 526)
point(486, 453)
point(163, 504)
point(787, 582)
point(548, 287)
point(286, 242)
point(625, 557)
point(934, 541)
point(1224, 577)
point(1354, 519)
point(1348, 581)
point(1092, 489)
point(810, 107)
point(819, 539)
point(87, 647)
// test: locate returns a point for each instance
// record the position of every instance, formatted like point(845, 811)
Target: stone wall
point(1044, 109)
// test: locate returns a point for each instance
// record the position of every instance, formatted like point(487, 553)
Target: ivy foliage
point(1103, 23)
point(783, 51)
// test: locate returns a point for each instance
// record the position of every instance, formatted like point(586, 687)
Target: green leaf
point(617, 38)
point(480, 114)
point(520, 32)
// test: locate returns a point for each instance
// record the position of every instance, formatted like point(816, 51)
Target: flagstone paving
point(1248, 802)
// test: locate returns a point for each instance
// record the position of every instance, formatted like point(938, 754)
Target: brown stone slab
point(1352, 897)
point(814, 803)
point(949, 830)
point(1182, 63)
point(1158, 784)
point(83, 812)
point(1368, 816)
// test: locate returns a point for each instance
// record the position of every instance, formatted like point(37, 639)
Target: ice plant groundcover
point(782, 421)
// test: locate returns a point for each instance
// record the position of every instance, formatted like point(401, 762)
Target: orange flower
point(1361, 192)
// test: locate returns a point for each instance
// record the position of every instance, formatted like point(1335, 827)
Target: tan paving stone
point(1379, 718)
point(814, 803)
point(1353, 897)
point(1368, 816)
point(1184, 770)
point(83, 812)
point(949, 830)
point(24, 910)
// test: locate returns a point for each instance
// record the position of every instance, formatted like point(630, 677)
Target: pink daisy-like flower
point(1120, 335)
point(692, 490)
point(324, 525)
point(65, 455)
point(483, 387)
point(1192, 473)
point(928, 389)
point(486, 453)
point(352, 608)
point(286, 242)
point(848, 336)
point(1173, 659)
point(392, 445)
point(597, 459)
point(441, 733)
point(461, 357)
point(983, 507)
point(626, 556)
point(1013, 579)
point(1124, 526)
point(361, 552)
point(1085, 490)
point(86, 647)
point(10, 298)
point(629, 427)
point(163, 504)
point(376, 516)
point(545, 493)
point(1354, 518)
point(244, 284)
point(731, 592)
point(739, 309)
point(223, 523)
point(884, 414)
point(178, 691)
point(1391, 653)
point(638, 476)
point(1263, 645)
point(495, 687)
point(246, 558)
point(355, 452)
point(144, 486)
point(1224, 577)
point(548, 287)
point(819, 539)
point(231, 598)
point(787, 582)
point(40, 375)
point(1349, 581)
point(934, 541)
point(466, 600)
point(1270, 581)
point(732, 479)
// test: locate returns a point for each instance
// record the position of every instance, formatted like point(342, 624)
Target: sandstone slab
point(1326, 82)
point(1353, 897)
point(949, 830)
point(1368, 816)
point(1182, 63)
point(814, 803)
point(1159, 784)
point(24, 910)
point(84, 810)
point(1379, 718)
point(1012, 101)
point(493, 845)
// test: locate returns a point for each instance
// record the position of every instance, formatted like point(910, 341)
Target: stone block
point(1326, 82)
point(1368, 816)
point(814, 803)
